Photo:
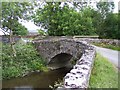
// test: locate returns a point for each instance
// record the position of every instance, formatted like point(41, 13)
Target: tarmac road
point(112, 55)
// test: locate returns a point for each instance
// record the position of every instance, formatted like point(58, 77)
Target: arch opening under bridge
point(60, 60)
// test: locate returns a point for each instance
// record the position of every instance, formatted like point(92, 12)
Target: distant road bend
point(112, 55)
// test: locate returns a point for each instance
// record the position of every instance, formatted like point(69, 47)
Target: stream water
point(35, 80)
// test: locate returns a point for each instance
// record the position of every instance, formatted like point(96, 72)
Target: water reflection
point(35, 80)
point(24, 88)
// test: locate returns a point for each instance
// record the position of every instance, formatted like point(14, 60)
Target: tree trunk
point(12, 44)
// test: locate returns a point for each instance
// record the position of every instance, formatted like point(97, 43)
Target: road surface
point(112, 55)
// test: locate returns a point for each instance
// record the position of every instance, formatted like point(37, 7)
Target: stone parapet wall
point(89, 39)
point(106, 41)
point(80, 74)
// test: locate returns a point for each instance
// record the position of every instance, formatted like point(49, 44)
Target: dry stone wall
point(80, 74)
point(106, 41)
point(78, 77)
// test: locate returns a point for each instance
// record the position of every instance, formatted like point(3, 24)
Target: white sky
point(1, 33)
point(30, 26)
point(116, 6)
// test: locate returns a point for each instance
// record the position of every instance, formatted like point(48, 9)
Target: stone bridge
point(59, 52)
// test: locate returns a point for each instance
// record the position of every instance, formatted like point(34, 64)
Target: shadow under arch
point(60, 60)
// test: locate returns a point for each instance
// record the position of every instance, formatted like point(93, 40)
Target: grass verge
point(26, 60)
point(113, 47)
point(104, 74)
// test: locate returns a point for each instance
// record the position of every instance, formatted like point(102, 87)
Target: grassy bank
point(27, 60)
point(113, 47)
point(104, 74)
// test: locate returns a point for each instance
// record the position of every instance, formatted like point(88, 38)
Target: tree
point(104, 10)
point(64, 20)
point(16, 28)
point(11, 13)
point(88, 20)
point(110, 27)
point(118, 34)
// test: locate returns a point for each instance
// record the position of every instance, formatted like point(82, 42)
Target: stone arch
point(60, 60)
point(49, 49)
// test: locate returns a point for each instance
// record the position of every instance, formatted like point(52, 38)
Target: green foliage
point(87, 20)
point(110, 27)
point(107, 26)
point(27, 60)
point(11, 13)
point(64, 20)
point(105, 8)
point(42, 32)
point(104, 74)
point(0, 61)
point(17, 28)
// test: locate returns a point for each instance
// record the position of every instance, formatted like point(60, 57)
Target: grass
point(104, 74)
point(109, 46)
point(26, 60)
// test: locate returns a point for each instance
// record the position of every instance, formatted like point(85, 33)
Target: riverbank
point(36, 80)
point(27, 60)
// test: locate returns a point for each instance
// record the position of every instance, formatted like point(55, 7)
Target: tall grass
point(104, 74)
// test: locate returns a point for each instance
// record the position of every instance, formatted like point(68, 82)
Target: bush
point(27, 60)
point(42, 32)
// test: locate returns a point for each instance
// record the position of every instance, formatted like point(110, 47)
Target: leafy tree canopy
point(64, 20)
point(11, 13)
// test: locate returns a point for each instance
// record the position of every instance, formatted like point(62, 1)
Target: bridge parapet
point(80, 74)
